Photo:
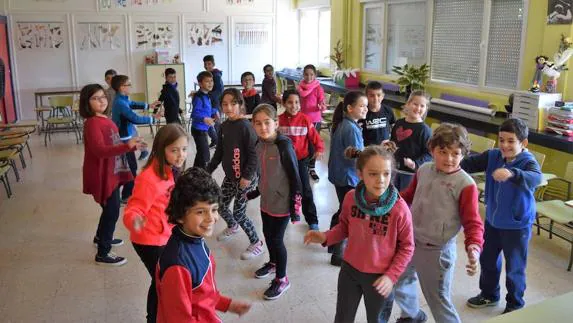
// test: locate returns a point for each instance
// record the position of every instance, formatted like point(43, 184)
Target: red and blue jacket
point(185, 281)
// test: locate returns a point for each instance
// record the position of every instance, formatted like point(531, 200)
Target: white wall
point(72, 65)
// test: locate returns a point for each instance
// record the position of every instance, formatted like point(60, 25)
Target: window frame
point(319, 63)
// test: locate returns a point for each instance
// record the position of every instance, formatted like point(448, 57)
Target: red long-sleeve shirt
point(301, 131)
point(376, 244)
point(105, 166)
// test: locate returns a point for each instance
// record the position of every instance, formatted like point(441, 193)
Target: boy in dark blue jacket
point(170, 97)
point(201, 118)
point(215, 94)
point(512, 175)
point(125, 120)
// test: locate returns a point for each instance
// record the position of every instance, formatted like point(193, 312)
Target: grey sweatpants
point(352, 284)
point(433, 266)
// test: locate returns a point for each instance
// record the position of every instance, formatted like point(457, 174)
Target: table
point(556, 309)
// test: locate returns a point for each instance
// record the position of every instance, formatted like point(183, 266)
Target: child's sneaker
point(114, 242)
point(420, 318)
point(277, 288)
point(313, 175)
point(480, 302)
point(313, 227)
point(266, 270)
point(254, 250)
point(227, 233)
point(110, 259)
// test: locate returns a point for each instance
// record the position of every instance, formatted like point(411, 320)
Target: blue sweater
point(342, 171)
point(124, 117)
point(202, 109)
point(510, 204)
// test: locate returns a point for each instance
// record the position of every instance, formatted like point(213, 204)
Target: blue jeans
point(514, 245)
point(402, 180)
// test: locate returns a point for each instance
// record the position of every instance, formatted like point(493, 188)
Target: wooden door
point(7, 106)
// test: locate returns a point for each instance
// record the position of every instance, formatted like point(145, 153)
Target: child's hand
point(383, 285)
point(314, 237)
point(139, 223)
point(137, 143)
point(209, 121)
point(473, 259)
point(389, 145)
point(244, 183)
point(409, 163)
point(502, 174)
point(239, 307)
point(154, 104)
point(318, 155)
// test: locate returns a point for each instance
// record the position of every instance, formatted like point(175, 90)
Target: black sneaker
point(420, 318)
point(277, 288)
point(266, 270)
point(114, 242)
point(508, 310)
point(144, 154)
point(313, 175)
point(480, 302)
point(110, 259)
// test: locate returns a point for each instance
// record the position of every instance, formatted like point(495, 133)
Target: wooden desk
point(39, 94)
point(557, 309)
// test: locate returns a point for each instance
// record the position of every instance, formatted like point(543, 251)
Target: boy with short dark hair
point(109, 92)
point(201, 118)
point(379, 118)
point(250, 94)
point(512, 175)
point(170, 97)
point(269, 87)
point(185, 274)
point(215, 94)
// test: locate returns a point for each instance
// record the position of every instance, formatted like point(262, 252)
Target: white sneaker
point(227, 233)
point(254, 250)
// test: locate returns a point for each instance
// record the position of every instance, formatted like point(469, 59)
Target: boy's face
point(125, 88)
point(171, 78)
point(200, 219)
point(269, 72)
point(108, 79)
point(248, 82)
point(292, 105)
point(375, 98)
point(510, 145)
point(208, 66)
point(447, 159)
point(206, 84)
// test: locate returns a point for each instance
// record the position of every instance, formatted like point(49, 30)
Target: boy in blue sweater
point(215, 94)
point(125, 120)
point(512, 175)
point(201, 118)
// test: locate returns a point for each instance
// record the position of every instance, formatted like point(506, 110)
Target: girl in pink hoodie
point(144, 214)
point(312, 104)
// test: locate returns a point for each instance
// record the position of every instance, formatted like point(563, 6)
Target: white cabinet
point(155, 78)
point(532, 107)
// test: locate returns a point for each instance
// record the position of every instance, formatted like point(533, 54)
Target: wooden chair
point(9, 156)
point(18, 144)
point(4, 168)
point(61, 118)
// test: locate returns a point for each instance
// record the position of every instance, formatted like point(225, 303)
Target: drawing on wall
point(154, 35)
point(204, 34)
point(99, 36)
point(233, 2)
point(252, 35)
point(559, 12)
point(109, 4)
point(373, 44)
point(33, 35)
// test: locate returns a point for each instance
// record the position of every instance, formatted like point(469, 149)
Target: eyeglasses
point(99, 98)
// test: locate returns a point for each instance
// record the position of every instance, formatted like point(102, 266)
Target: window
point(481, 52)
point(314, 32)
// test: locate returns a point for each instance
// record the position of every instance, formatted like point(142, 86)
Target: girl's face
point(359, 109)
point(377, 175)
point(292, 104)
point(416, 108)
point(309, 75)
point(265, 126)
point(98, 102)
point(176, 153)
point(269, 72)
point(200, 219)
point(231, 108)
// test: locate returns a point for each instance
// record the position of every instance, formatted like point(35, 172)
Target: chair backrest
point(137, 97)
point(569, 172)
point(539, 157)
point(480, 144)
point(61, 101)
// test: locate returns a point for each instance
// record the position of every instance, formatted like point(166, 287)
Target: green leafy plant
point(338, 56)
point(411, 78)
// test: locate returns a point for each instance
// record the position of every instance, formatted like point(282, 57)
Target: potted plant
point(411, 78)
point(349, 77)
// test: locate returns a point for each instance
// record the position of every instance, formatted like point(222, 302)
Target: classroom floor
point(47, 272)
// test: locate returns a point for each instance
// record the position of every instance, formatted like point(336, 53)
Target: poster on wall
point(252, 35)
point(201, 34)
point(110, 4)
point(39, 35)
point(559, 12)
point(99, 36)
point(154, 35)
point(238, 2)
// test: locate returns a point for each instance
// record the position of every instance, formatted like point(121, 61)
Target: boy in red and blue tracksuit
point(512, 175)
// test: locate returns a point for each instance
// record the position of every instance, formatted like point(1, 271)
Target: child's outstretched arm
point(472, 224)
point(138, 206)
point(529, 176)
point(94, 141)
point(134, 117)
point(339, 232)
point(475, 163)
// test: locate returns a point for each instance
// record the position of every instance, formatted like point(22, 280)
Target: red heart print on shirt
point(402, 133)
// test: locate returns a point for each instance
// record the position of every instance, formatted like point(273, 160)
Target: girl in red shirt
point(144, 215)
point(105, 168)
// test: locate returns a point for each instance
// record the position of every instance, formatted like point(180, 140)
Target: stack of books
point(560, 119)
